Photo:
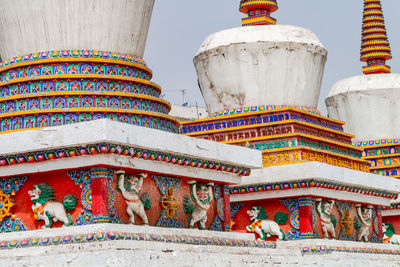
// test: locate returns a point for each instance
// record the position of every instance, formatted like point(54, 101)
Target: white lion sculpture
point(45, 208)
point(130, 189)
point(261, 225)
point(389, 236)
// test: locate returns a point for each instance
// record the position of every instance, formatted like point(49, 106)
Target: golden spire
point(375, 47)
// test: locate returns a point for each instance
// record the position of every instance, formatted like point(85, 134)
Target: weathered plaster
point(369, 104)
point(260, 65)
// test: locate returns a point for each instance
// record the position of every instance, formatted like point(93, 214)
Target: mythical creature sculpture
point(45, 208)
point(364, 222)
point(389, 236)
point(328, 221)
point(130, 187)
point(202, 195)
point(261, 225)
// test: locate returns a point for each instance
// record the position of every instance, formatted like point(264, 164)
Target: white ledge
point(109, 131)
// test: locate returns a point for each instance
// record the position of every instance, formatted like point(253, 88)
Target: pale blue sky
point(179, 27)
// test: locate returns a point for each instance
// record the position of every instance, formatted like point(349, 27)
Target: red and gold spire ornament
point(375, 47)
point(258, 12)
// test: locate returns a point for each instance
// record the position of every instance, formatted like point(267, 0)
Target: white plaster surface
point(369, 104)
point(323, 172)
point(29, 26)
point(260, 65)
point(188, 113)
point(106, 130)
point(143, 253)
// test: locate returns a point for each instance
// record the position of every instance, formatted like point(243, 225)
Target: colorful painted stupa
point(353, 99)
point(83, 157)
point(81, 145)
point(308, 159)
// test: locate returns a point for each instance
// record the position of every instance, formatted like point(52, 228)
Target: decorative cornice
point(111, 236)
point(377, 143)
point(134, 152)
point(310, 183)
point(330, 249)
point(59, 54)
point(261, 108)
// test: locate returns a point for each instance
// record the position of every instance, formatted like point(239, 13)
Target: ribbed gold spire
point(375, 47)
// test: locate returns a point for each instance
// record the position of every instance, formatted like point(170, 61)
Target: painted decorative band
point(134, 152)
point(330, 249)
point(310, 183)
point(38, 120)
point(110, 236)
point(47, 101)
point(260, 108)
point(74, 54)
point(60, 68)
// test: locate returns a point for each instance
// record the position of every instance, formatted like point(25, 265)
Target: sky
point(179, 27)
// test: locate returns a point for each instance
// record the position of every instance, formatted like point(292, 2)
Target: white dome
point(369, 104)
point(260, 65)
point(29, 26)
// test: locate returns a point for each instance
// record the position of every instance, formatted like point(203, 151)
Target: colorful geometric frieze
point(310, 184)
point(133, 152)
point(260, 108)
point(377, 142)
point(80, 85)
point(81, 101)
point(258, 119)
point(330, 249)
point(43, 118)
point(285, 141)
point(84, 54)
point(49, 69)
point(111, 236)
point(63, 87)
point(258, 12)
point(375, 47)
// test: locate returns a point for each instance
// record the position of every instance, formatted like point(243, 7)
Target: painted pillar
point(306, 206)
point(99, 185)
point(227, 207)
point(379, 217)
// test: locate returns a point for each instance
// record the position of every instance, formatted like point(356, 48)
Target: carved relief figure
point(202, 195)
point(45, 208)
point(364, 222)
point(389, 235)
point(328, 221)
point(261, 225)
point(129, 186)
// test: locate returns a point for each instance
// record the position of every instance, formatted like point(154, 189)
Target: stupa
point(369, 103)
point(261, 84)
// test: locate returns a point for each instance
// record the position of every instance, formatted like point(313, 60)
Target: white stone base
point(154, 253)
